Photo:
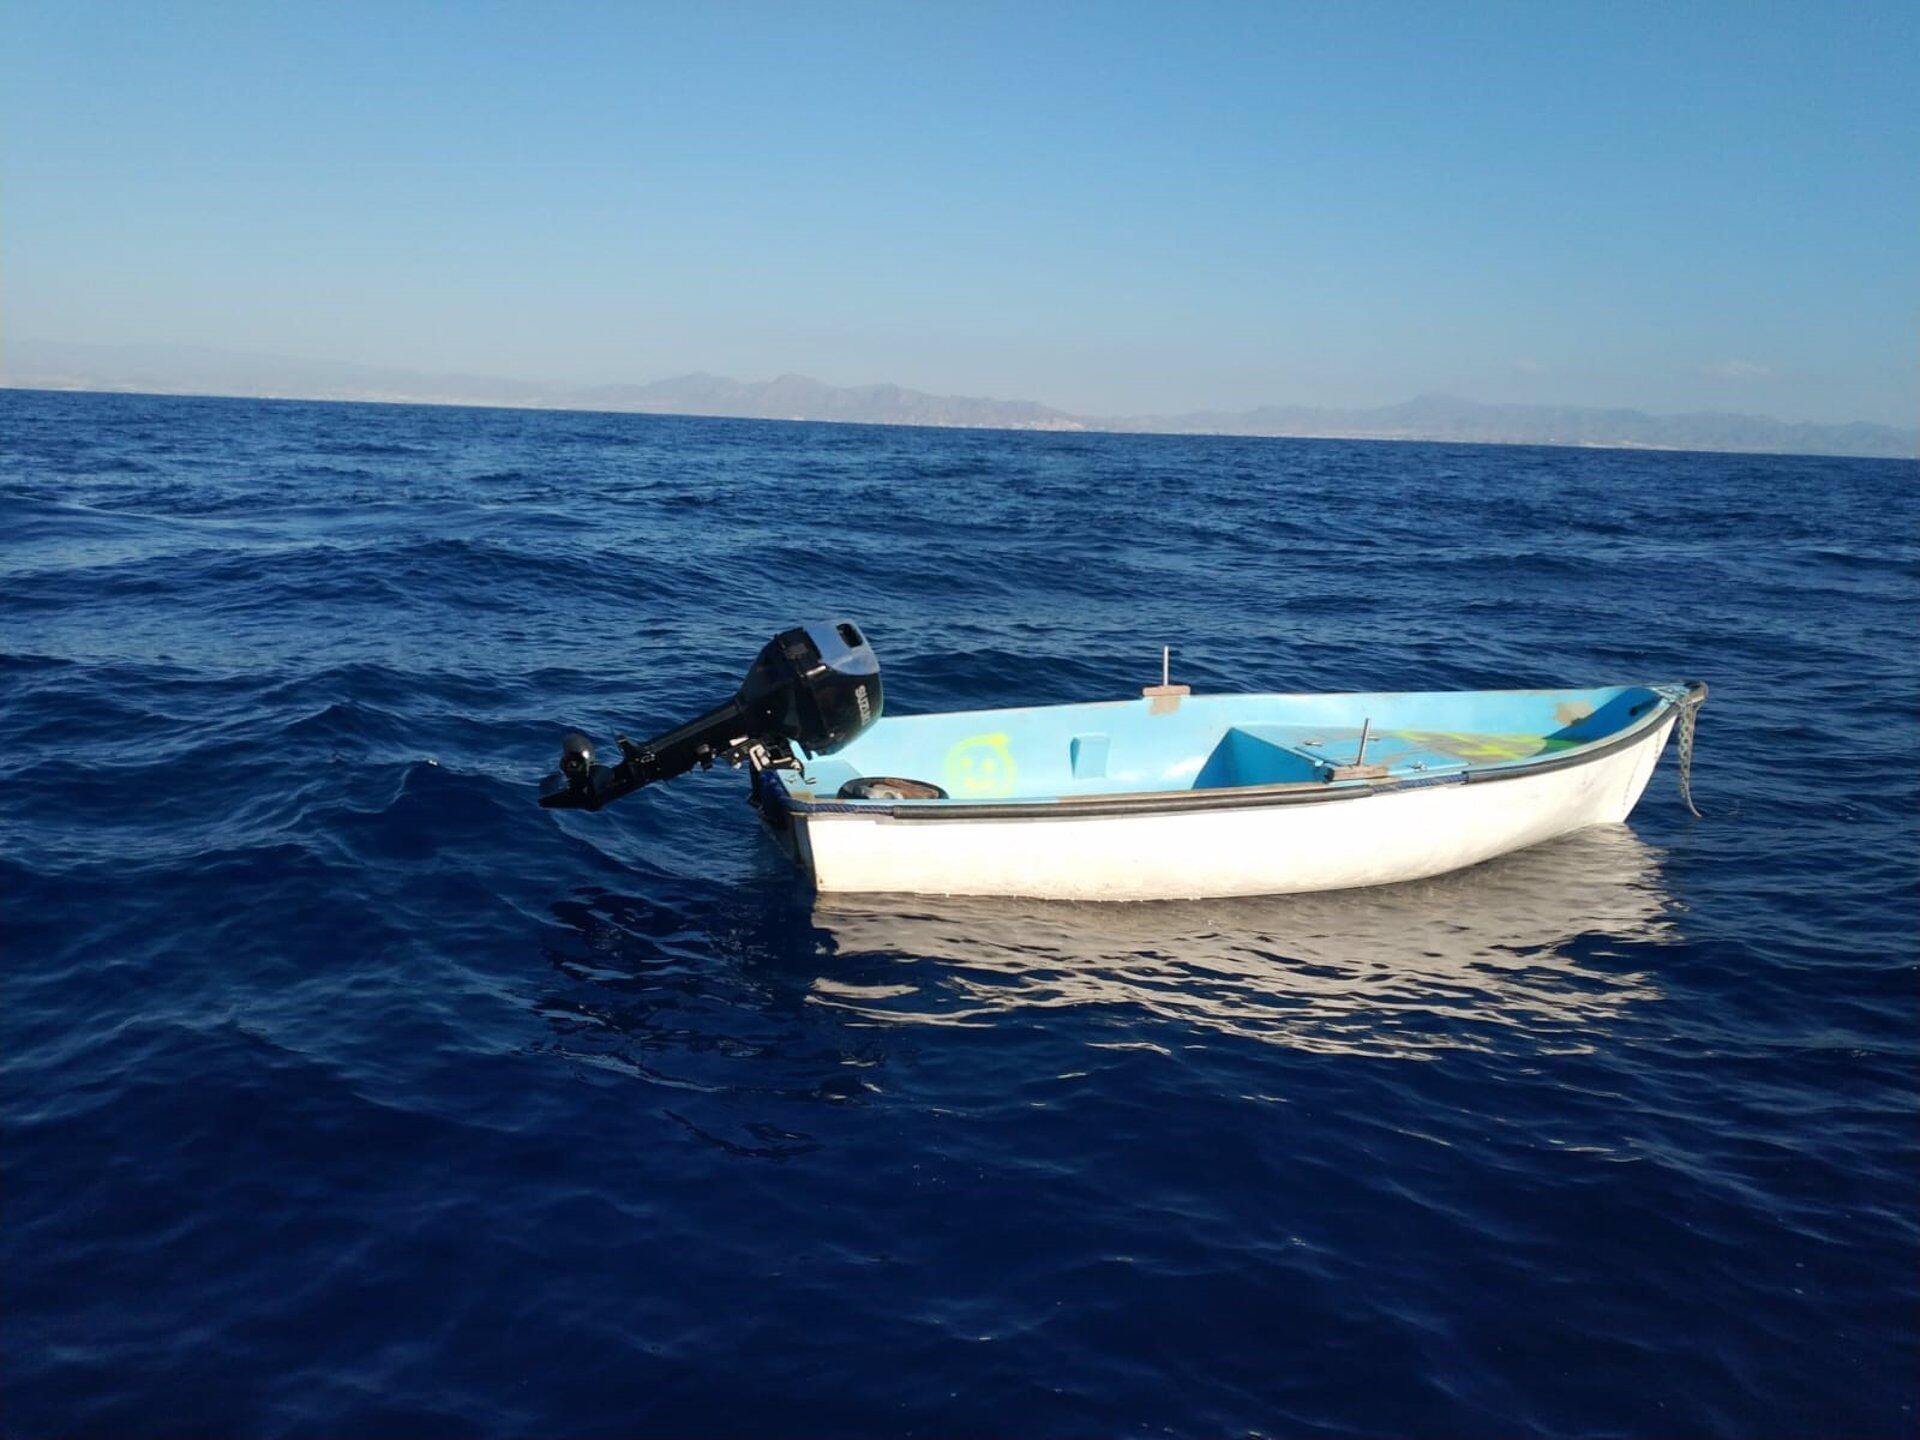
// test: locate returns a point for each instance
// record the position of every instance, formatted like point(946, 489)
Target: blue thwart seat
point(1260, 755)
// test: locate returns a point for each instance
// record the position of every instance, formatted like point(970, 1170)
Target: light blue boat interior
point(1218, 742)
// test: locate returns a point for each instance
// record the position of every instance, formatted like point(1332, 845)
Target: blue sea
point(345, 1092)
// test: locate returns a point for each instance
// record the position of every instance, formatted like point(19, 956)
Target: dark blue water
point(346, 1092)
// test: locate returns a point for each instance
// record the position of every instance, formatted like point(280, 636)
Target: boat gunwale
point(1240, 797)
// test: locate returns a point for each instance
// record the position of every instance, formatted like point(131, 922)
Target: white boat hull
point(1243, 849)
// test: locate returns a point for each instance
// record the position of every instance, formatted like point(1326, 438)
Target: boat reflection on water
point(1540, 948)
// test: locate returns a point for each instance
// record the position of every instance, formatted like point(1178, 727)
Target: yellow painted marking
point(1465, 745)
point(981, 766)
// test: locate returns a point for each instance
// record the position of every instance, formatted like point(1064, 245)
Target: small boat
point(1168, 796)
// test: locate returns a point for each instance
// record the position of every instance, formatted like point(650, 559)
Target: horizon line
point(1078, 428)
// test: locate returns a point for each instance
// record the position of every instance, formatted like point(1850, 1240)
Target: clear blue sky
point(1109, 208)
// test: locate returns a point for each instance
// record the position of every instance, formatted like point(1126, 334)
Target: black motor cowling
point(816, 686)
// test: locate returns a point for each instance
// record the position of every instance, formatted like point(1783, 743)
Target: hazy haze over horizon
point(1107, 211)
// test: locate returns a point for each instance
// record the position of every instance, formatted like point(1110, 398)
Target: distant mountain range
point(796, 397)
point(177, 370)
point(1445, 417)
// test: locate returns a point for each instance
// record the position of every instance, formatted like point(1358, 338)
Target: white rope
point(1689, 709)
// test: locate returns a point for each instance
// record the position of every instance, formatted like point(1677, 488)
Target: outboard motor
point(816, 686)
